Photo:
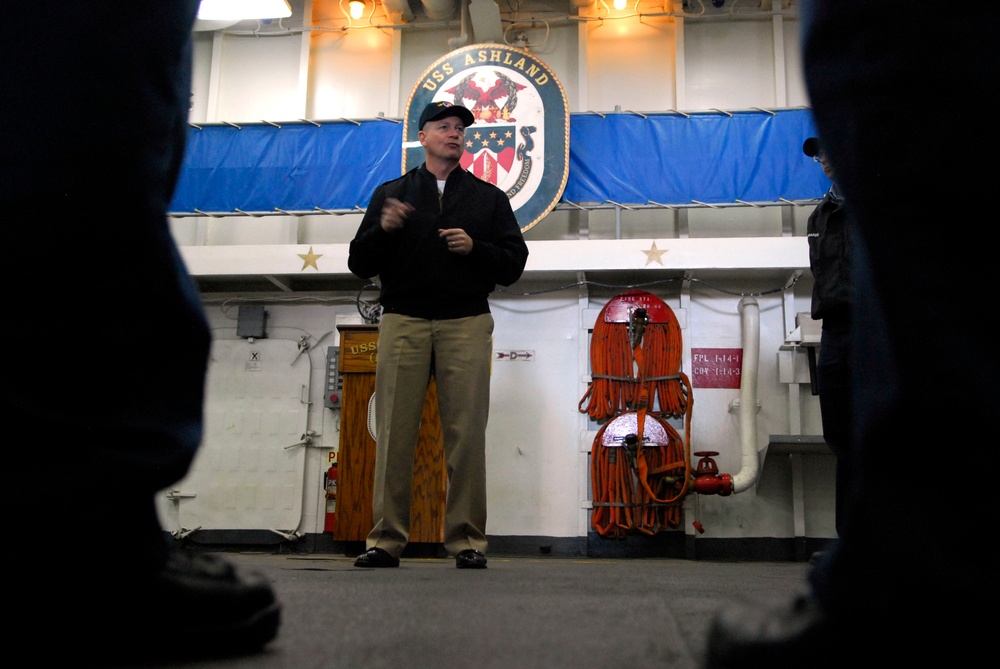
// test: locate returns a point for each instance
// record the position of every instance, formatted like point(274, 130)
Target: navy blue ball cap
point(441, 109)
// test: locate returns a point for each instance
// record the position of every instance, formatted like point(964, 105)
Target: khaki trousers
point(459, 353)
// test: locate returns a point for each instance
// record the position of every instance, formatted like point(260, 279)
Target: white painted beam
point(754, 253)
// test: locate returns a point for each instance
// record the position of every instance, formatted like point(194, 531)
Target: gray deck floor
point(520, 613)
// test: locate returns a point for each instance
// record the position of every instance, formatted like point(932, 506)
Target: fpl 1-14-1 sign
point(520, 138)
point(716, 367)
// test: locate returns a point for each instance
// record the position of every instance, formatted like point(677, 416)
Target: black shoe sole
point(376, 559)
point(369, 565)
point(470, 559)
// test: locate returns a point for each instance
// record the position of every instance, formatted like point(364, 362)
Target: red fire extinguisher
point(330, 484)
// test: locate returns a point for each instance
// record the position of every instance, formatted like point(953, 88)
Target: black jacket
point(420, 277)
point(829, 255)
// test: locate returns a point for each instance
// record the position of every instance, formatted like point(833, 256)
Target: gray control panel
point(334, 387)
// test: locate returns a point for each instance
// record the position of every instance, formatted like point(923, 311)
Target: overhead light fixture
point(357, 8)
point(619, 4)
point(229, 10)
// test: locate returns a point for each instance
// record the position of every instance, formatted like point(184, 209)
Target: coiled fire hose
point(638, 479)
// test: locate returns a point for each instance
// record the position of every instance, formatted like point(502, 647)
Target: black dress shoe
point(775, 634)
point(376, 558)
point(470, 559)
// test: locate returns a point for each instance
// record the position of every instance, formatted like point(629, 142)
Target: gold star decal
point(654, 255)
point(310, 259)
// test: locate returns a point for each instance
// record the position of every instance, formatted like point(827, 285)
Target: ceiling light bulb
point(619, 5)
point(357, 9)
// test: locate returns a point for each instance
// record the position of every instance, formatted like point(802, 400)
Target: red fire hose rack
point(640, 466)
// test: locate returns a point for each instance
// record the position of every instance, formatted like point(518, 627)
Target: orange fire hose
point(638, 491)
point(638, 374)
point(611, 478)
point(614, 386)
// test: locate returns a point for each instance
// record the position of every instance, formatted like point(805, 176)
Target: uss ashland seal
point(520, 140)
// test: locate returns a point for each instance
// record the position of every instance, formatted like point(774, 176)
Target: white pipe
point(463, 38)
point(750, 333)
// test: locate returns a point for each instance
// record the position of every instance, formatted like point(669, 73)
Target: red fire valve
point(707, 479)
point(714, 485)
point(706, 465)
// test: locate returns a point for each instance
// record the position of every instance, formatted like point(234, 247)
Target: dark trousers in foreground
point(925, 388)
point(102, 323)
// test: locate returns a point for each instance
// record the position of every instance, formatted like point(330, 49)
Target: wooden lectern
point(356, 468)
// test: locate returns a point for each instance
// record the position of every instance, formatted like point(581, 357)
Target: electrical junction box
point(811, 330)
point(334, 390)
point(251, 322)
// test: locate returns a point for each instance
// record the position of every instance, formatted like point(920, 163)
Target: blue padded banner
point(294, 167)
point(627, 158)
point(711, 158)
